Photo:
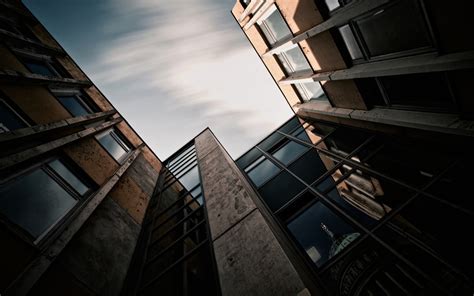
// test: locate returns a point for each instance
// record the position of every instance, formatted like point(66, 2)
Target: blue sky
point(172, 68)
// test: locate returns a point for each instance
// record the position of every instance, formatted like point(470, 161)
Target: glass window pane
point(289, 152)
point(395, 28)
point(190, 179)
point(9, 119)
point(41, 68)
point(275, 28)
point(72, 104)
point(309, 167)
point(67, 175)
point(350, 41)
point(111, 145)
point(332, 4)
point(262, 172)
point(179, 157)
point(311, 91)
point(424, 90)
point(321, 233)
point(248, 157)
point(280, 190)
point(196, 191)
point(293, 61)
point(35, 202)
point(344, 140)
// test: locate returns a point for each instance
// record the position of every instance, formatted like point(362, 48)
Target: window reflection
point(261, 170)
point(190, 179)
point(9, 119)
point(112, 142)
point(289, 152)
point(275, 28)
point(321, 233)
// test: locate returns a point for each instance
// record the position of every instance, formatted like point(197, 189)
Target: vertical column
point(250, 260)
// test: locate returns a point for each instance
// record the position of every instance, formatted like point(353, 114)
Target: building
point(328, 204)
point(399, 63)
point(75, 178)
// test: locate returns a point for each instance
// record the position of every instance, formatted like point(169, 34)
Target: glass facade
point(370, 212)
point(176, 252)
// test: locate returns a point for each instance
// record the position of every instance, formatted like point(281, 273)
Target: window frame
point(16, 112)
point(84, 100)
point(359, 38)
point(49, 62)
point(119, 139)
point(52, 231)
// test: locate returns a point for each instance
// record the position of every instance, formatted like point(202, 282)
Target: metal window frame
point(368, 233)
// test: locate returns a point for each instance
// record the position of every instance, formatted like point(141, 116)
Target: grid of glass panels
point(292, 60)
point(372, 214)
point(176, 252)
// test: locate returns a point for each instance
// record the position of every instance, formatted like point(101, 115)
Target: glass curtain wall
point(371, 214)
point(175, 247)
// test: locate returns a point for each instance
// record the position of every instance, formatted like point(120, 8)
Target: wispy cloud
point(175, 67)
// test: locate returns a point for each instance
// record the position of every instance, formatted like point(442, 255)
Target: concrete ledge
point(259, 13)
point(11, 76)
point(436, 122)
point(53, 126)
point(20, 40)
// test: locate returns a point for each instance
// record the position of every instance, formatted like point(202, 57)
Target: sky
point(171, 68)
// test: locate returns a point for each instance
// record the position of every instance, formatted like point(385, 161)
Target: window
point(114, 143)
point(75, 102)
point(321, 233)
point(261, 170)
point(294, 61)
point(311, 91)
point(16, 28)
point(42, 65)
point(274, 27)
point(40, 198)
point(289, 152)
point(398, 27)
point(9, 118)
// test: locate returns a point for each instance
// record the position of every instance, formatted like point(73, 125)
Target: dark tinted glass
point(289, 152)
point(190, 179)
point(248, 157)
point(9, 119)
point(321, 233)
point(73, 105)
point(270, 141)
point(70, 178)
point(350, 41)
point(398, 27)
point(423, 90)
point(280, 190)
point(344, 140)
point(41, 68)
point(35, 202)
point(263, 171)
point(308, 167)
point(440, 227)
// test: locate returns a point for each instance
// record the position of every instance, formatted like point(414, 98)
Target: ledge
point(12, 76)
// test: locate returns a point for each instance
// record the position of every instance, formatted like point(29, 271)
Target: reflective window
point(311, 91)
point(280, 190)
point(289, 152)
point(36, 200)
point(321, 233)
point(332, 4)
point(351, 42)
point(275, 28)
point(191, 178)
point(112, 142)
point(309, 167)
point(69, 177)
point(293, 60)
point(40, 67)
point(75, 105)
point(261, 170)
point(396, 28)
point(9, 119)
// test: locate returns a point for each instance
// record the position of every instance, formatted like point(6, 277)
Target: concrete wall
point(250, 260)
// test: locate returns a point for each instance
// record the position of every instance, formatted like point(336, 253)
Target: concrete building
point(328, 204)
point(402, 63)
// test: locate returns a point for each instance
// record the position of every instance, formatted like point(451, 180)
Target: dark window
point(113, 142)
point(9, 119)
point(321, 233)
point(41, 67)
point(280, 190)
point(261, 170)
point(429, 90)
point(289, 152)
point(75, 105)
point(40, 198)
point(398, 27)
point(308, 167)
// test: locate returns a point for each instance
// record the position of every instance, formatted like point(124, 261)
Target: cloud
point(175, 67)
